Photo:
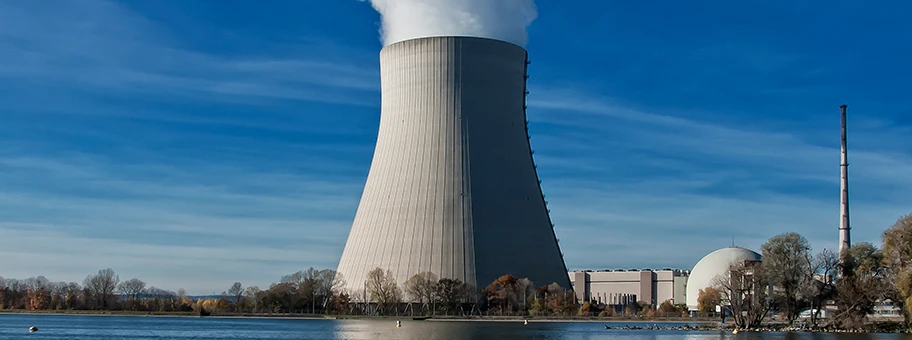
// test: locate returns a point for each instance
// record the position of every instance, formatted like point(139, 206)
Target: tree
point(667, 307)
point(72, 295)
point(382, 288)
point(236, 291)
point(743, 292)
point(821, 288)
point(421, 287)
point(707, 299)
point(329, 283)
point(101, 286)
point(860, 285)
point(559, 300)
point(37, 293)
point(254, 296)
point(449, 293)
point(132, 288)
point(787, 262)
point(503, 293)
point(897, 252)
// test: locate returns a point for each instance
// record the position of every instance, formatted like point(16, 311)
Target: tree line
point(846, 285)
point(789, 279)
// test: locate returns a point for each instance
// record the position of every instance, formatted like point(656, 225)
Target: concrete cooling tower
point(453, 189)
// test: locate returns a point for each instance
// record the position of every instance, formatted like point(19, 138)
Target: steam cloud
point(496, 19)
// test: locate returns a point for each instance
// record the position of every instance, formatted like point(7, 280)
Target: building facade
point(453, 189)
point(622, 287)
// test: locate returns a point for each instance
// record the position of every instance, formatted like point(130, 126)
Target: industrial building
point(713, 266)
point(626, 286)
point(622, 287)
point(453, 188)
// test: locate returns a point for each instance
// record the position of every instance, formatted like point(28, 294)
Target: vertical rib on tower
point(452, 187)
point(844, 238)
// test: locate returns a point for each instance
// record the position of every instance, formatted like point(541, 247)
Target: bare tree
point(72, 295)
point(421, 287)
point(237, 291)
point(744, 293)
point(787, 263)
point(329, 283)
point(382, 288)
point(132, 288)
point(821, 287)
point(102, 286)
point(254, 296)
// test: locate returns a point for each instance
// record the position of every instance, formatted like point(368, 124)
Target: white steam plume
point(496, 19)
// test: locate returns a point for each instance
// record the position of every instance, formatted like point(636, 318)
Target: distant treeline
point(788, 280)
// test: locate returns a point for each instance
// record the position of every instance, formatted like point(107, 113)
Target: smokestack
point(844, 237)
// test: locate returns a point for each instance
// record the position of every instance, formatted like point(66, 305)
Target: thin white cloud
point(100, 45)
point(711, 184)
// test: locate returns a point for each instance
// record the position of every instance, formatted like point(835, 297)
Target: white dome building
point(711, 266)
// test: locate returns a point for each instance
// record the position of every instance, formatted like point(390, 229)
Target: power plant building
point(452, 188)
point(624, 287)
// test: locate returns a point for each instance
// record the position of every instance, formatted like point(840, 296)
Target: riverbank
point(362, 317)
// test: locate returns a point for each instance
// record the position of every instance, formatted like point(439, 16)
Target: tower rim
point(465, 37)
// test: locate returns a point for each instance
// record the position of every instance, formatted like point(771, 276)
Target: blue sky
point(197, 143)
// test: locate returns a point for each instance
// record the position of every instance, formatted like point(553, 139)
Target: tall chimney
point(844, 238)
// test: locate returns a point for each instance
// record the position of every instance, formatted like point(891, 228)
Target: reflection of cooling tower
point(452, 188)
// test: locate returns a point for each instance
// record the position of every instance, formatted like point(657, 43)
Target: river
point(73, 327)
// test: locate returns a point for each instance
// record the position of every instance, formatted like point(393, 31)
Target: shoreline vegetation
point(789, 289)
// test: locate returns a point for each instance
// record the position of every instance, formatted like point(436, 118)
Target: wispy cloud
point(126, 144)
point(181, 166)
point(621, 180)
point(100, 46)
point(170, 222)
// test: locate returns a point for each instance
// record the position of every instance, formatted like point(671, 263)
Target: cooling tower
point(452, 188)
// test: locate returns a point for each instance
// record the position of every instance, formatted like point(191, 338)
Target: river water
point(73, 327)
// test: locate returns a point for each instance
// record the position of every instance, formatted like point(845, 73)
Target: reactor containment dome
point(452, 188)
point(714, 265)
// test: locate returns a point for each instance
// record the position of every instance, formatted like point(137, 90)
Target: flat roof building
point(621, 287)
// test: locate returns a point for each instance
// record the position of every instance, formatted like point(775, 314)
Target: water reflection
point(111, 328)
point(463, 330)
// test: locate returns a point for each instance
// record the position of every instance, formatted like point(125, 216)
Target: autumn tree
point(666, 307)
point(101, 286)
point(503, 293)
point(787, 262)
point(382, 287)
point(707, 299)
point(560, 301)
point(37, 292)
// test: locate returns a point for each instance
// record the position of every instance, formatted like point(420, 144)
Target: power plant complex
point(453, 189)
